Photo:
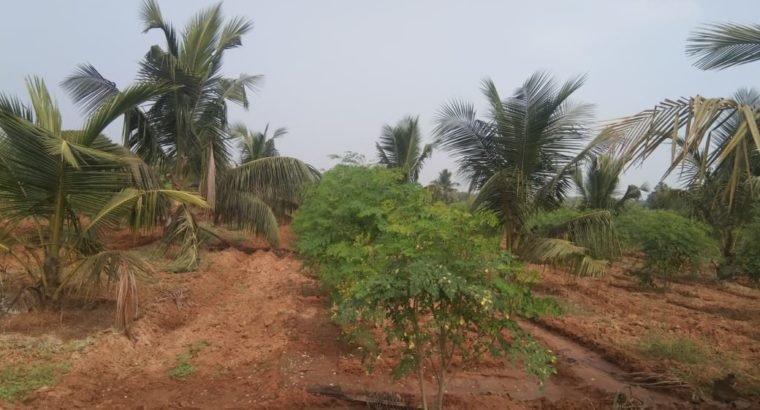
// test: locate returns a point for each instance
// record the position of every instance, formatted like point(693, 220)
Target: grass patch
point(677, 348)
point(184, 368)
point(184, 365)
point(18, 381)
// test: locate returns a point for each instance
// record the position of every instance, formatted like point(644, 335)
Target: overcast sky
point(336, 71)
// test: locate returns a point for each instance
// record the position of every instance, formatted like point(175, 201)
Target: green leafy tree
point(400, 147)
point(185, 130)
point(520, 159)
point(256, 145)
point(53, 178)
point(677, 200)
point(431, 276)
point(444, 188)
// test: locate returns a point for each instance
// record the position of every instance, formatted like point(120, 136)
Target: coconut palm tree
point(399, 147)
point(443, 188)
point(185, 131)
point(705, 187)
point(520, 159)
point(256, 145)
point(599, 185)
point(53, 178)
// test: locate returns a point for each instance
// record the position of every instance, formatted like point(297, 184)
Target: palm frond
point(89, 89)
point(564, 253)
point(152, 18)
point(719, 46)
point(46, 111)
point(248, 212)
point(593, 231)
point(142, 208)
point(272, 179)
point(688, 124)
point(120, 104)
point(400, 147)
point(102, 269)
point(199, 39)
point(183, 239)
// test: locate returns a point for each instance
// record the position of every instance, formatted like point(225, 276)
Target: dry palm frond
point(126, 299)
point(690, 125)
point(94, 272)
point(183, 232)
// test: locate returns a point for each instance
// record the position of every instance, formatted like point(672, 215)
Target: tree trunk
point(729, 243)
point(421, 374)
point(443, 365)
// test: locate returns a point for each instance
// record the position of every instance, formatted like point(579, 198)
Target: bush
point(671, 243)
point(432, 276)
point(748, 248)
point(344, 214)
point(549, 219)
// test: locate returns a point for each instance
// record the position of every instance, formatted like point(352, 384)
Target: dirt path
point(256, 333)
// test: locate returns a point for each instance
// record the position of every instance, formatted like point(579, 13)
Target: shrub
point(431, 276)
point(748, 248)
point(671, 243)
point(344, 214)
point(549, 219)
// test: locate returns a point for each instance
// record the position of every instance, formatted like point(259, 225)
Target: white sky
point(336, 71)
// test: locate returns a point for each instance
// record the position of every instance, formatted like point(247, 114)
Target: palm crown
point(400, 147)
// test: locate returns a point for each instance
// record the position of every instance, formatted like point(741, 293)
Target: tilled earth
point(250, 330)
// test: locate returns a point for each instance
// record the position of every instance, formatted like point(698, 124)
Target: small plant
point(184, 368)
point(17, 381)
point(184, 365)
point(677, 348)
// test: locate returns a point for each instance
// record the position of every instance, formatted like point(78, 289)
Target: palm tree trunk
point(52, 264)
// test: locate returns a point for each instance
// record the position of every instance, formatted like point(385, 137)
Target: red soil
point(269, 338)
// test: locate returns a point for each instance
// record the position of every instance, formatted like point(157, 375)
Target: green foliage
point(677, 348)
point(521, 156)
point(399, 147)
point(672, 199)
point(443, 188)
point(748, 248)
point(17, 381)
point(432, 276)
point(583, 241)
point(184, 368)
point(184, 365)
point(344, 214)
point(672, 243)
point(599, 184)
point(548, 219)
